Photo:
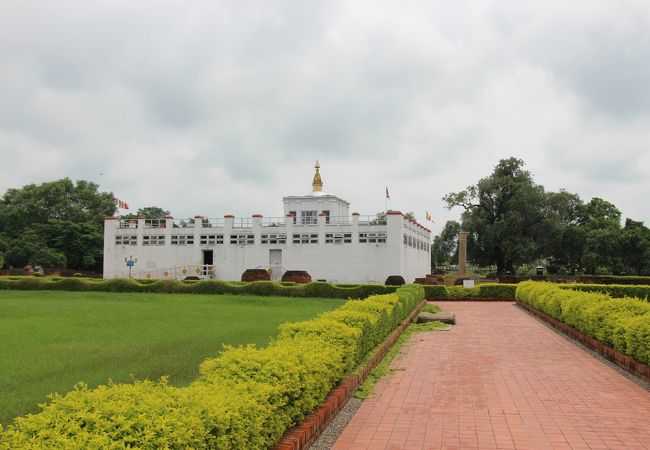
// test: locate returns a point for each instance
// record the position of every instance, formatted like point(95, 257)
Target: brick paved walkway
point(499, 379)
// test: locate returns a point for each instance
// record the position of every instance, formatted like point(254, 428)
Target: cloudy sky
point(213, 107)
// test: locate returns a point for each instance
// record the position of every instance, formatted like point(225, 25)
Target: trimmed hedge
point(244, 398)
point(622, 323)
point(617, 279)
point(265, 288)
point(613, 290)
point(488, 290)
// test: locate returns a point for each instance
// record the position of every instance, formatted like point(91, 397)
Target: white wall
point(323, 202)
point(345, 262)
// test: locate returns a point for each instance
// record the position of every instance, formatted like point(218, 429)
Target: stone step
point(443, 316)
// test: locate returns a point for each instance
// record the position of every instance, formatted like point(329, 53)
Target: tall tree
point(58, 223)
point(601, 227)
point(444, 249)
point(152, 212)
point(635, 247)
point(504, 215)
point(563, 239)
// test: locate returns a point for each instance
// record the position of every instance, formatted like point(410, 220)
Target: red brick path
point(499, 379)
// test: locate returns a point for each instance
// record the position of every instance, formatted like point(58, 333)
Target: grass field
point(51, 340)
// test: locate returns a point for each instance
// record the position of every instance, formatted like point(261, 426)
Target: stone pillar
point(169, 224)
point(288, 223)
point(257, 222)
point(462, 253)
point(198, 228)
point(229, 223)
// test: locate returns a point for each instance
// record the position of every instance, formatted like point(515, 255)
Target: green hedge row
point(488, 290)
point(622, 323)
point(616, 279)
point(244, 398)
point(265, 288)
point(613, 290)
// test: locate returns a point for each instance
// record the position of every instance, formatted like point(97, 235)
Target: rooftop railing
point(213, 222)
point(130, 223)
point(372, 220)
point(183, 223)
point(242, 222)
point(155, 223)
point(276, 221)
point(247, 222)
point(338, 220)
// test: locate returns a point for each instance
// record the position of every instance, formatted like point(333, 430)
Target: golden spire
point(317, 184)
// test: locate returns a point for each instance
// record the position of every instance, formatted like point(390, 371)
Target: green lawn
point(50, 340)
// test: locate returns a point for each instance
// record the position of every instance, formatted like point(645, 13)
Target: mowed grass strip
point(51, 340)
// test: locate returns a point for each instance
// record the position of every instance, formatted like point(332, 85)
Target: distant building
point(316, 234)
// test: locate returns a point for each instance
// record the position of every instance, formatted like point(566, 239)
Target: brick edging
point(302, 436)
point(469, 299)
point(625, 362)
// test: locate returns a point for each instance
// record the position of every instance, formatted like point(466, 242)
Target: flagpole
point(387, 196)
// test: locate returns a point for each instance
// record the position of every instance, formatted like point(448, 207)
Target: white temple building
point(317, 234)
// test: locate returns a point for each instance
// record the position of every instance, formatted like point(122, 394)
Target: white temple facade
point(317, 234)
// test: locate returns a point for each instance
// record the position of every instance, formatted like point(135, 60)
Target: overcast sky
point(213, 107)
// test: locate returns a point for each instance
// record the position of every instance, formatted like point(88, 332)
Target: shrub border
point(304, 435)
point(625, 362)
point(483, 291)
point(640, 291)
point(470, 299)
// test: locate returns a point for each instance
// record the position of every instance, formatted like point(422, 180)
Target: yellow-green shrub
point(637, 338)
point(365, 322)
point(622, 323)
point(143, 414)
point(303, 370)
point(244, 398)
point(613, 290)
point(331, 332)
point(381, 310)
point(237, 415)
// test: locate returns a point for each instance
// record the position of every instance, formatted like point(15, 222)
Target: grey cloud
point(255, 92)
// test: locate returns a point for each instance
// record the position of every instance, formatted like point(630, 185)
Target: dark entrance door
point(208, 257)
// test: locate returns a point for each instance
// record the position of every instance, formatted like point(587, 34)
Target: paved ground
point(499, 379)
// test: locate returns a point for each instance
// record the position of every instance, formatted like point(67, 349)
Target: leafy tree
point(148, 212)
point(635, 247)
point(30, 248)
point(55, 224)
point(152, 212)
point(444, 249)
point(513, 221)
point(600, 221)
point(563, 239)
point(380, 219)
point(504, 215)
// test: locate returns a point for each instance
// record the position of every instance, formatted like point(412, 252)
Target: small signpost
point(130, 262)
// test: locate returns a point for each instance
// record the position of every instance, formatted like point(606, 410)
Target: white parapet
point(344, 249)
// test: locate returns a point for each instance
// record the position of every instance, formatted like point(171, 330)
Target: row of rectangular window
point(416, 243)
point(241, 239)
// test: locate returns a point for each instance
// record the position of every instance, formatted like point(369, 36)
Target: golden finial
point(317, 184)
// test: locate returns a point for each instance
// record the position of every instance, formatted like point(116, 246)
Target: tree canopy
point(149, 212)
point(512, 221)
point(503, 213)
point(444, 249)
point(54, 224)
